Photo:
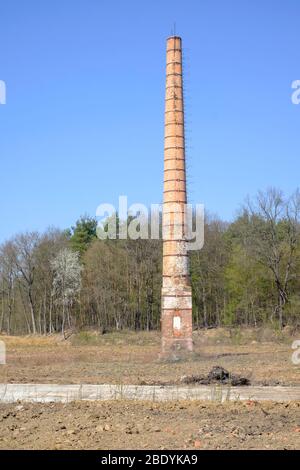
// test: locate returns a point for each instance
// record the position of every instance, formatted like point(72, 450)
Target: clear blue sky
point(83, 121)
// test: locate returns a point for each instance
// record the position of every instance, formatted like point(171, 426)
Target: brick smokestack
point(176, 315)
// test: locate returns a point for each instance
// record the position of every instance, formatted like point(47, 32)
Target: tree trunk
point(32, 312)
point(204, 307)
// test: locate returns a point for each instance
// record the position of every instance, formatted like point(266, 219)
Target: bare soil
point(144, 425)
point(262, 356)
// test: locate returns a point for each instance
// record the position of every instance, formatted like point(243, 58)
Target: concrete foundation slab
point(43, 393)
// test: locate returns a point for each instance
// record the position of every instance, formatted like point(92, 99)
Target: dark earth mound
point(216, 375)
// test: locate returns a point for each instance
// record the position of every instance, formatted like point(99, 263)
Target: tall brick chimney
point(176, 315)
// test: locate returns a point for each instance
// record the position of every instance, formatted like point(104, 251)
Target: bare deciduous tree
point(7, 276)
point(66, 281)
point(24, 247)
point(273, 236)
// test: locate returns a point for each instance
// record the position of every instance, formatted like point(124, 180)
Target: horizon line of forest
point(247, 273)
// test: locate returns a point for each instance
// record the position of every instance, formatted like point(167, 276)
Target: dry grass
point(127, 357)
point(132, 358)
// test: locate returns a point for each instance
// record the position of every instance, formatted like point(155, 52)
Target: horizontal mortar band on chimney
point(173, 86)
point(174, 124)
point(176, 302)
point(175, 111)
point(181, 199)
point(174, 147)
point(174, 180)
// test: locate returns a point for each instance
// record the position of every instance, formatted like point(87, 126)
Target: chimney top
point(174, 37)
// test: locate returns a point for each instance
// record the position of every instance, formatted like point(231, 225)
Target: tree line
point(246, 274)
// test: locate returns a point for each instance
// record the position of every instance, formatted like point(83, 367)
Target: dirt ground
point(263, 356)
point(145, 425)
